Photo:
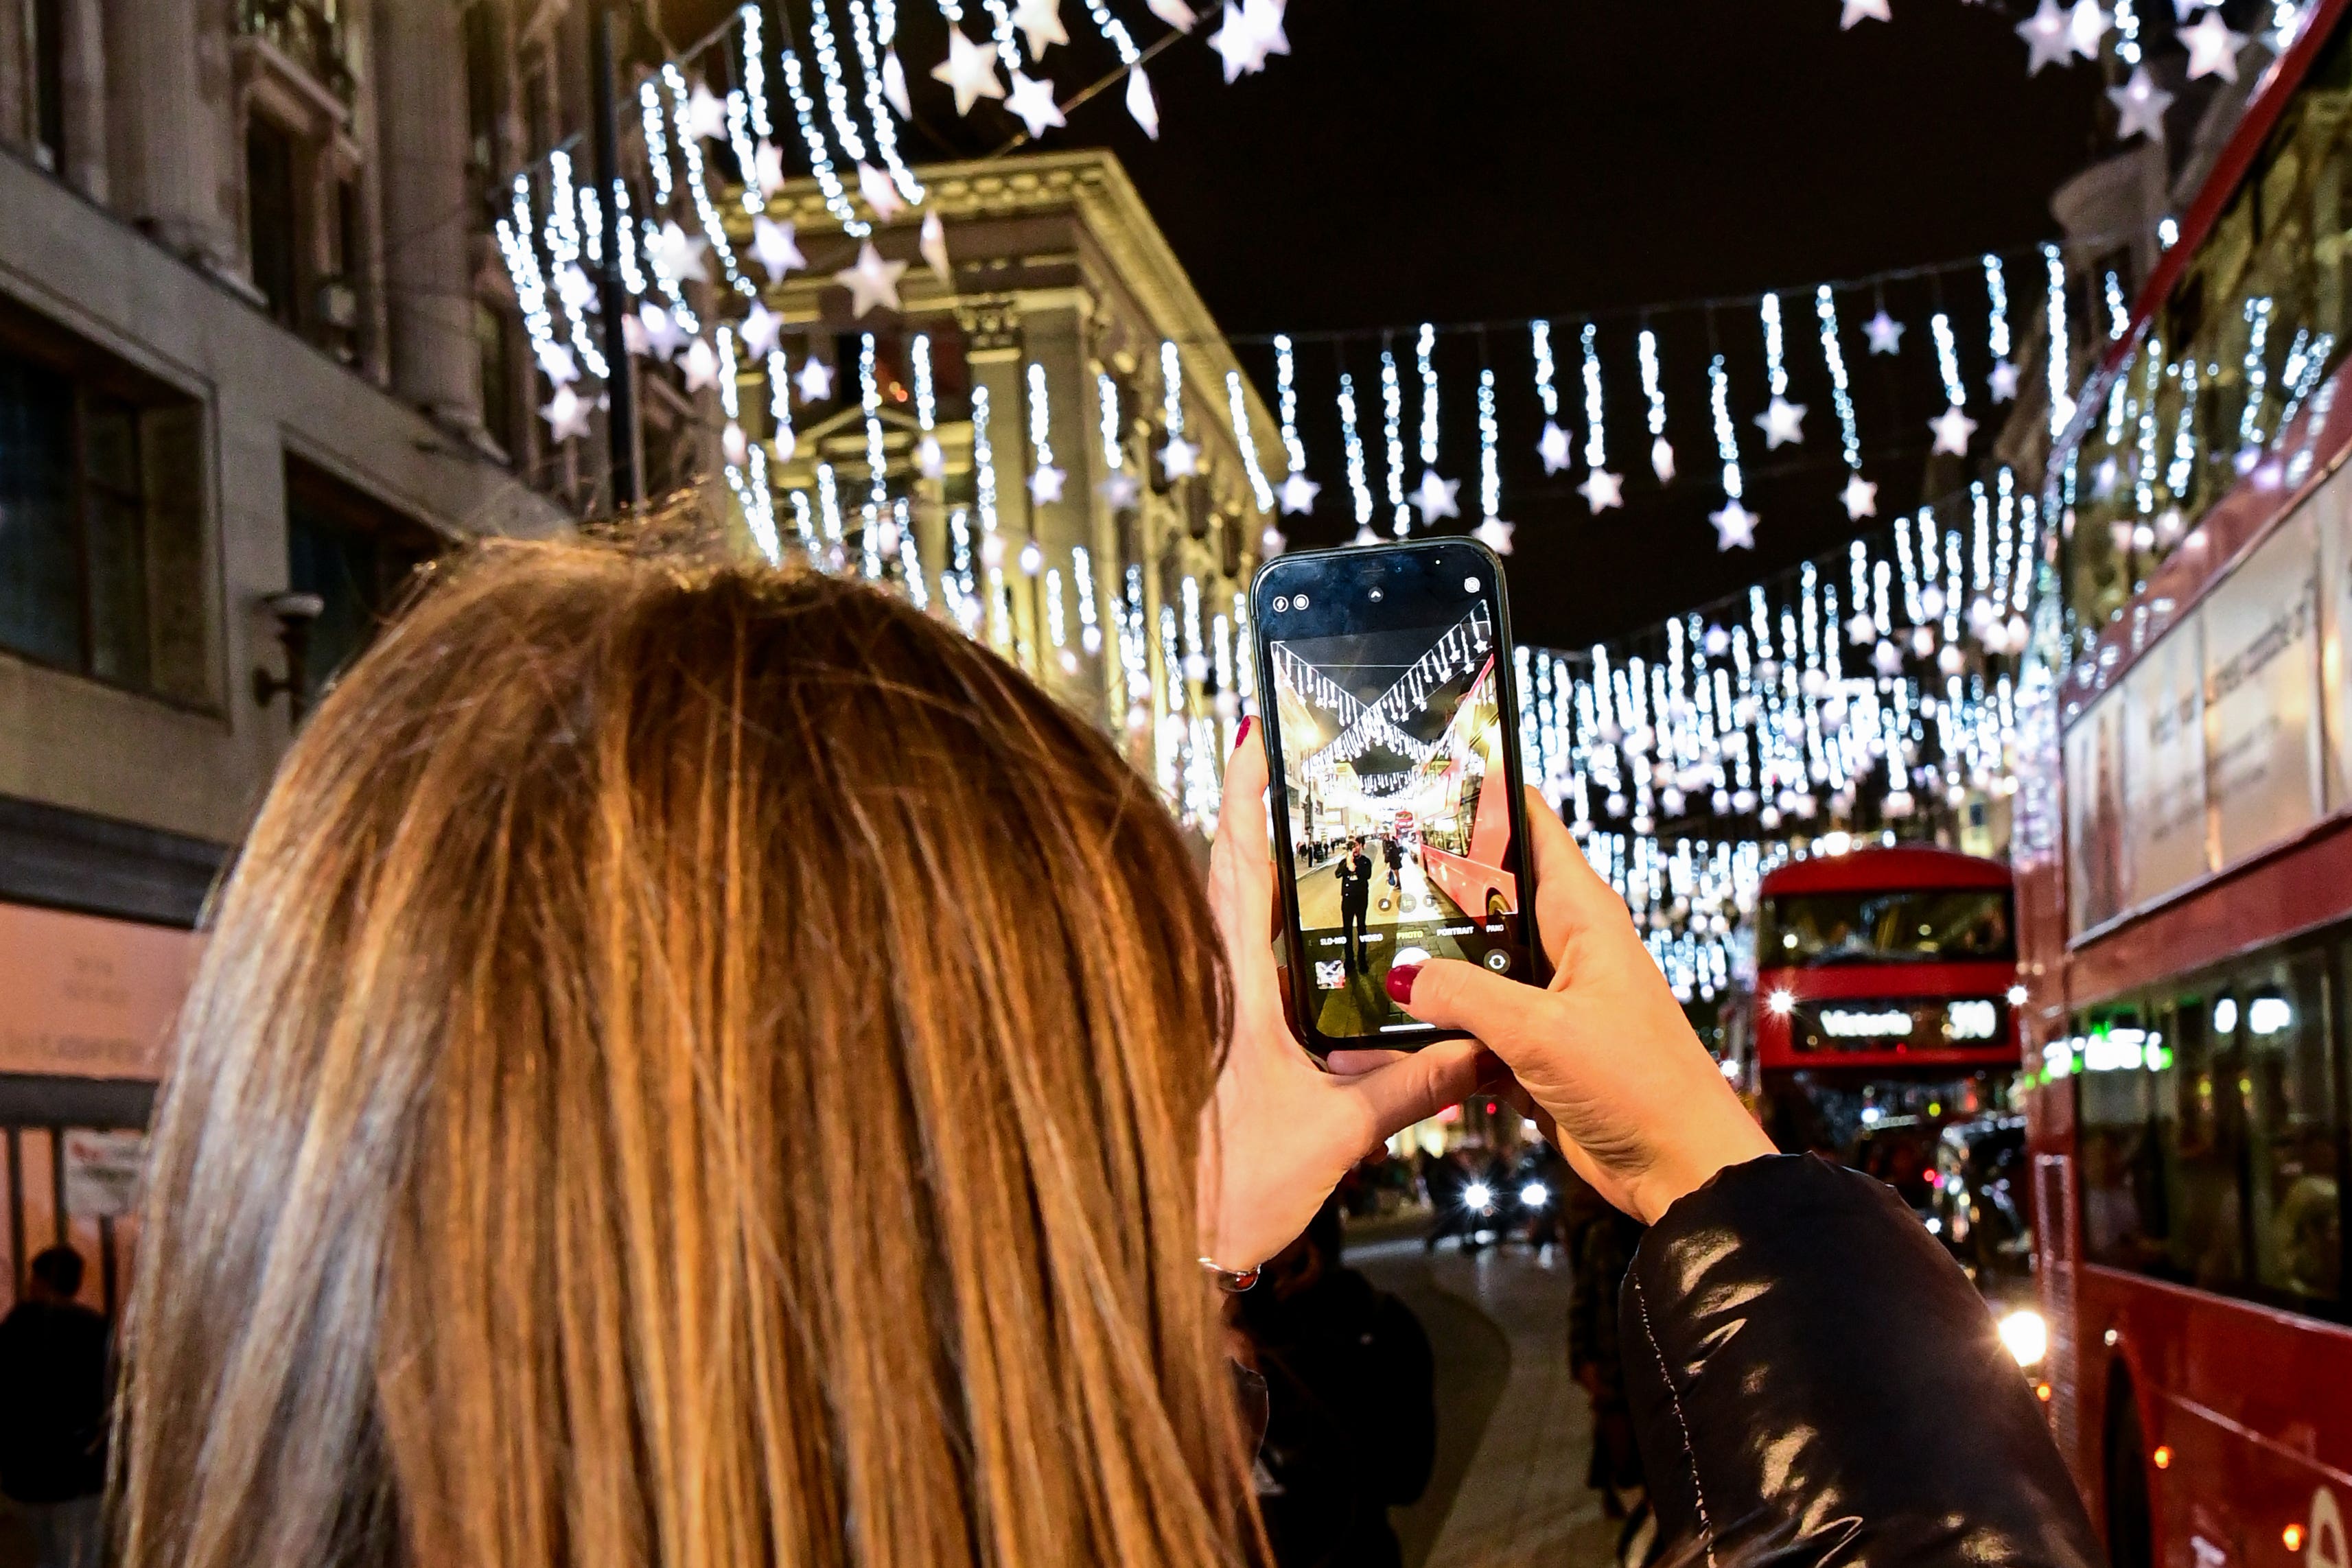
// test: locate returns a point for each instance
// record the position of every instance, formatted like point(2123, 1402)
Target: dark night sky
point(1493, 159)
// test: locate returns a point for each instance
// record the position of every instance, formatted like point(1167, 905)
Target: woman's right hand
point(1630, 1095)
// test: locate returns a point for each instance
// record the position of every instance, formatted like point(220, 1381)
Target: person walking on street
point(1355, 873)
point(1604, 1251)
point(53, 1410)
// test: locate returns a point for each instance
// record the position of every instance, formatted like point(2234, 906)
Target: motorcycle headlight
point(2025, 1336)
point(1478, 1195)
point(1535, 1195)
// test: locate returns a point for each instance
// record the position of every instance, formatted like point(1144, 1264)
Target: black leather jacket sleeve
point(1813, 1381)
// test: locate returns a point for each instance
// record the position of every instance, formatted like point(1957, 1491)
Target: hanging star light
point(633, 336)
point(1600, 487)
point(1860, 10)
point(813, 380)
point(676, 253)
point(894, 84)
point(1434, 496)
point(1180, 459)
point(705, 116)
point(1119, 490)
point(773, 244)
point(2139, 107)
point(2085, 25)
point(700, 365)
point(1142, 107)
point(872, 282)
point(760, 329)
point(1885, 333)
point(556, 363)
point(1239, 44)
point(1299, 493)
point(970, 71)
point(1175, 12)
point(1031, 100)
point(880, 194)
point(1494, 534)
point(934, 246)
point(664, 336)
point(768, 168)
point(1040, 22)
point(1603, 489)
point(1045, 485)
point(566, 414)
point(2046, 37)
point(1553, 447)
point(1735, 527)
point(1782, 421)
point(2003, 381)
point(2212, 48)
point(1861, 498)
point(1861, 628)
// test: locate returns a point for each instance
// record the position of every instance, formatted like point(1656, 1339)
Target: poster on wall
point(2261, 694)
point(2094, 842)
point(2333, 510)
point(102, 1172)
point(88, 998)
point(2163, 767)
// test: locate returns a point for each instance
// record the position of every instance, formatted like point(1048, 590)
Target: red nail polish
point(1241, 734)
point(1400, 983)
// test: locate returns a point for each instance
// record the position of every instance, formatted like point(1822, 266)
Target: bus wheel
point(2130, 1536)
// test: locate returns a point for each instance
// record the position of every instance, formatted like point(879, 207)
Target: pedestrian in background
point(1351, 1405)
point(1595, 1357)
point(53, 1410)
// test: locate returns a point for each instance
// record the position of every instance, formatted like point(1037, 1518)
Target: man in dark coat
point(1351, 1405)
point(1355, 874)
point(53, 1413)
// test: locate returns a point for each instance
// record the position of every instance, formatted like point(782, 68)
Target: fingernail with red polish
point(1241, 734)
point(1400, 983)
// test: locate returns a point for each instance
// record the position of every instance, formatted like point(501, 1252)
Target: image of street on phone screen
point(1401, 849)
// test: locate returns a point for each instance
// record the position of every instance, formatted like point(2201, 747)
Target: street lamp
point(293, 611)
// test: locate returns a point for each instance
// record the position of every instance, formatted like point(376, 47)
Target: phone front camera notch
point(1376, 594)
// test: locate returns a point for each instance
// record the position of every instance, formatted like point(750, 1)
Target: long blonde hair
point(695, 1066)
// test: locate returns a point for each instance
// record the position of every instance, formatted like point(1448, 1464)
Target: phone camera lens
point(1300, 602)
point(1469, 585)
point(1281, 603)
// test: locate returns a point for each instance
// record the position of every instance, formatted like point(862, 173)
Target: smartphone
point(1385, 684)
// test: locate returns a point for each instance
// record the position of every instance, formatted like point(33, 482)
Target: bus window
point(1923, 926)
point(2123, 1113)
point(2293, 1115)
point(2206, 1159)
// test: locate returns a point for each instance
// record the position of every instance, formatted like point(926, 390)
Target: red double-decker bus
point(2184, 859)
point(1883, 1008)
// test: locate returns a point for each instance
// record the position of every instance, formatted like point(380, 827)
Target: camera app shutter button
point(1498, 960)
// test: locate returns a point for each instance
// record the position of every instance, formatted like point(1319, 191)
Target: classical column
point(420, 97)
point(173, 125)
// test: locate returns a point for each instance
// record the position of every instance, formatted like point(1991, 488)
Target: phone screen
point(1386, 673)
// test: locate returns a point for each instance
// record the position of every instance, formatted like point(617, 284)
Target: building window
point(484, 63)
point(271, 233)
point(497, 375)
point(49, 21)
point(356, 554)
point(102, 557)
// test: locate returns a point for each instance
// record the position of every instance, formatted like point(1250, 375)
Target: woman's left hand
point(1283, 1130)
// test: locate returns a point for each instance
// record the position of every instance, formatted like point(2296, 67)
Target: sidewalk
point(1514, 1432)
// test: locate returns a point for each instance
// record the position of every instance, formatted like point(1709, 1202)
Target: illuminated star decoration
point(1861, 628)
point(1552, 446)
point(1175, 12)
point(663, 334)
point(1142, 107)
point(1240, 45)
point(1364, 535)
point(1856, 10)
point(633, 336)
point(1271, 542)
point(1045, 485)
point(733, 446)
point(556, 363)
point(894, 84)
point(879, 193)
point(813, 380)
point(970, 71)
point(1119, 490)
point(1434, 496)
point(700, 364)
point(1888, 659)
point(1299, 493)
point(930, 457)
point(1180, 459)
point(705, 118)
point(1735, 527)
point(773, 244)
point(2105, 477)
point(1662, 460)
point(2044, 33)
point(1885, 333)
point(1602, 489)
point(2004, 382)
point(760, 331)
point(1783, 422)
point(566, 414)
point(768, 168)
point(1031, 99)
point(2212, 48)
point(1861, 498)
point(872, 282)
point(2139, 107)
point(1953, 427)
point(1717, 642)
point(1494, 534)
point(2085, 25)
point(1041, 22)
point(676, 253)
point(934, 246)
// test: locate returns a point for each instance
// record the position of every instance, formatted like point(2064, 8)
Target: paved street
point(1409, 920)
point(1514, 1432)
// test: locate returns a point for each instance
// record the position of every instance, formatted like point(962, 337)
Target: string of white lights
point(2062, 401)
point(1840, 387)
point(2118, 313)
point(1552, 444)
point(828, 502)
point(1082, 573)
point(779, 408)
point(1947, 360)
point(877, 104)
point(1596, 438)
point(1286, 383)
point(1393, 427)
point(625, 248)
point(1237, 407)
point(1350, 438)
point(755, 69)
point(877, 490)
point(561, 234)
point(2257, 375)
point(992, 545)
point(1044, 479)
point(1424, 348)
point(837, 199)
point(836, 86)
point(2004, 374)
point(522, 269)
point(714, 230)
point(1726, 440)
point(929, 461)
point(1662, 453)
point(1490, 468)
point(649, 111)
